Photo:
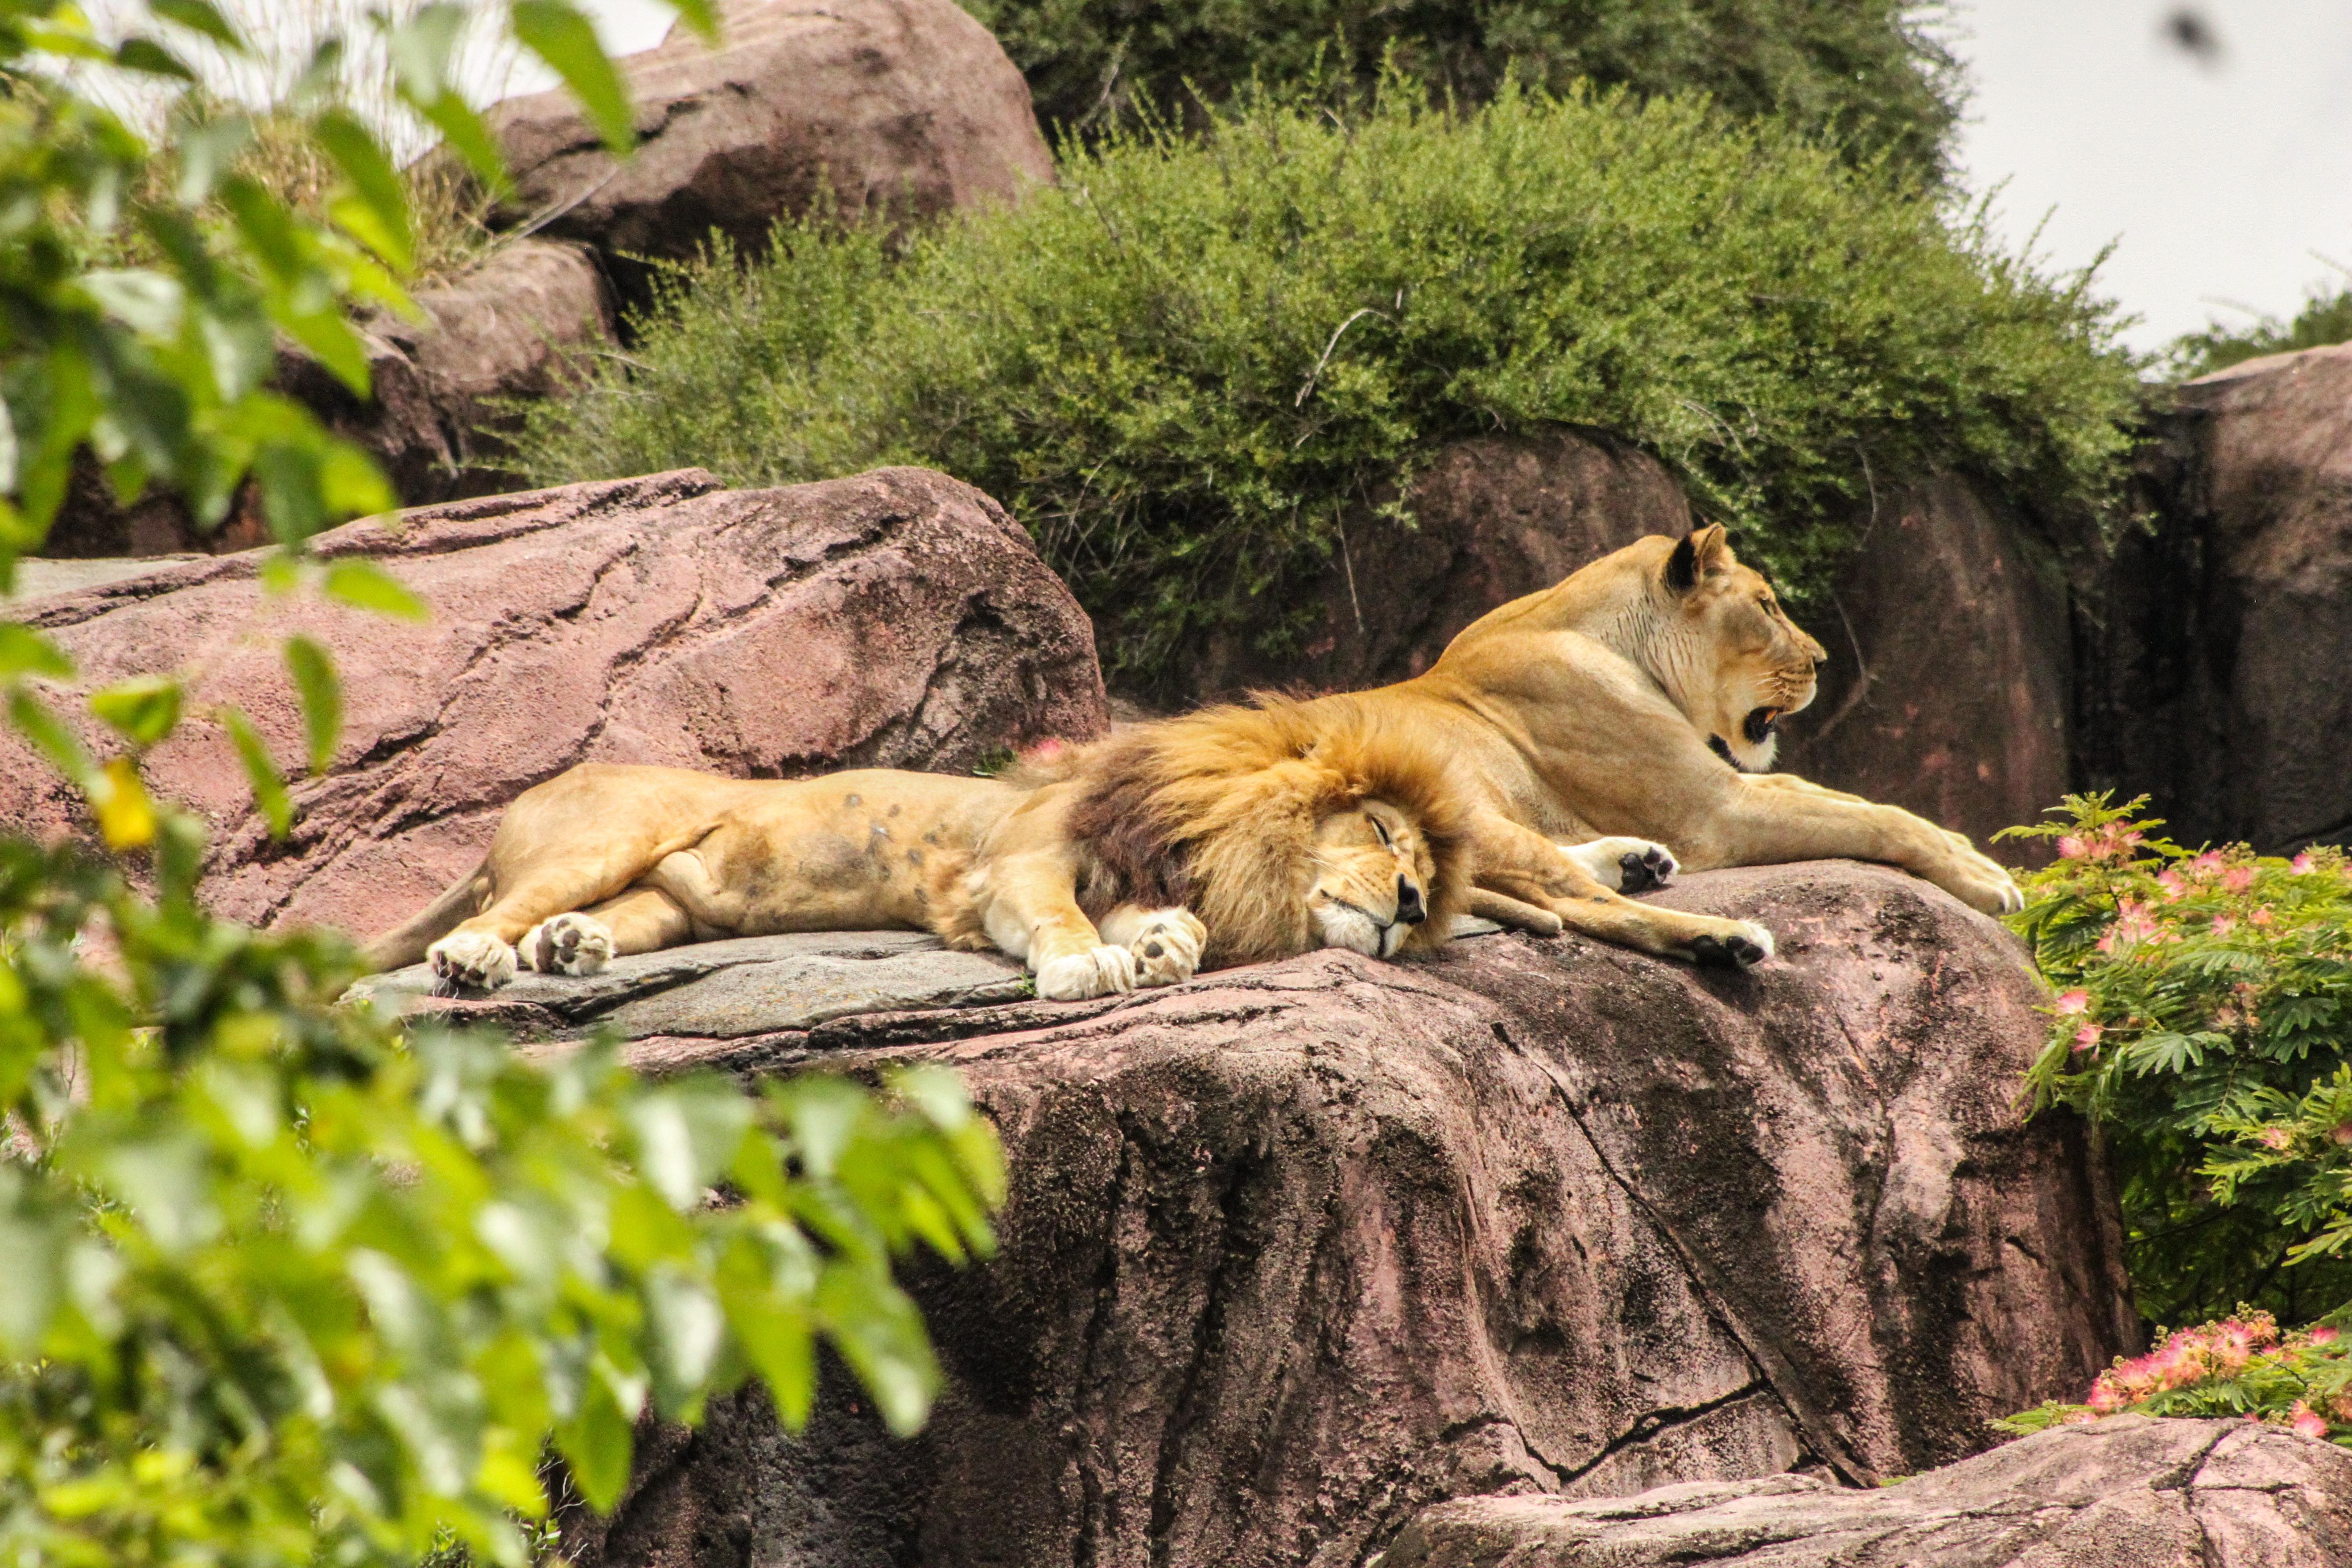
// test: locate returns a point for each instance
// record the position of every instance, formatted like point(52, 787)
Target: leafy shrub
point(2239, 1366)
point(2204, 1020)
point(1872, 75)
point(2326, 318)
point(1192, 365)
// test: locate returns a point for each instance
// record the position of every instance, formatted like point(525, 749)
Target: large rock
point(899, 107)
point(895, 619)
point(1949, 683)
point(2220, 686)
point(2126, 1492)
point(521, 323)
point(1293, 1252)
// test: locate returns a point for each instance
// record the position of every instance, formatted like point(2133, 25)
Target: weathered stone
point(899, 107)
point(1948, 684)
point(2218, 687)
point(1293, 1251)
point(2126, 1492)
point(897, 619)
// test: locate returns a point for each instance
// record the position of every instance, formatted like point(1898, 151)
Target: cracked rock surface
point(895, 619)
point(2126, 1492)
point(1293, 1252)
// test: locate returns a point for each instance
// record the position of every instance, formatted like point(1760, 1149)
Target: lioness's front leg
point(1758, 824)
point(1521, 872)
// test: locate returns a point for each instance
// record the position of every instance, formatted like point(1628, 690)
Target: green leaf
point(357, 580)
point(322, 698)
point(422, 51)
point(148, 58)
point(208, 149)
point(142, 710)
point(377, 212)
point(595, 1446)
point(199, 16)
point(700, 16)
point(558, 34)
point(33, 1237)
point(24, 651)
point(51, 739)
point(269, 795)
point(688, 1133)
point(150, 302)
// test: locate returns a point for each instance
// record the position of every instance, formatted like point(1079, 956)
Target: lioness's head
point(1285, 825)
point(1727, 652)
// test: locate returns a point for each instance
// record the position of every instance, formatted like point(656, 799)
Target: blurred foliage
point(2326, 318)
point(286, 1285)
point(2203, 1018)
point(1196, 361)
point(1871, 76)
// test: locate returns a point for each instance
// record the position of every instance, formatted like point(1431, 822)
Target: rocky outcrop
point(2220, 683)
point(899, 107)
point(2126, 1492)
point(1293, 1252)
point(521, 323)
point(898, 619)
point(1949, 683)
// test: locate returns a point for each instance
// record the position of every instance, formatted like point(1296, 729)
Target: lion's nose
point(1410, 907)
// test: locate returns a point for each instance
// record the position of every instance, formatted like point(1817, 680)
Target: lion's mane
point(1217, 810)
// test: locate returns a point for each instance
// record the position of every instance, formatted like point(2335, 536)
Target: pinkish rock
point(2126, 1492)
point(2220, 687)
point(904, 107)
point(898, 619)
point(1295, 1251)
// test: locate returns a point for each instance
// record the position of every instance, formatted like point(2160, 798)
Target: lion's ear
point(1698, 553)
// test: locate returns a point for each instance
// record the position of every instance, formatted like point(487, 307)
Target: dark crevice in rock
point(1651, 1424)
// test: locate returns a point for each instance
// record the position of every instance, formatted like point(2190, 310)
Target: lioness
point(1639, 696)
point(1233, 835)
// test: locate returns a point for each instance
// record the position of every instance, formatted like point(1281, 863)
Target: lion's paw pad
point(568, 944)
point(1168, 947)
point(1743, 948)
point(1099, 971)
point(1642, 869)
point(472, 961)
point(1624, 865)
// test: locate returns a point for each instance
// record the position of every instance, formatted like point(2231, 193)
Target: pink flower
point(2274, 1138)
point(2262, 916)
point(2072, 1002)
point(2107, 942)
point(2078, 1417)
point(2238, 878)
point(2073, 848)
point(2224, 925)
point(2087, 1036)
point(2341, 1135)
point(2174, 888)
point(2324, 1336)
point(2300, 864)
point(2309, 1422)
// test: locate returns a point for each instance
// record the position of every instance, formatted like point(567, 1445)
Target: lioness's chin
point(1344, 925)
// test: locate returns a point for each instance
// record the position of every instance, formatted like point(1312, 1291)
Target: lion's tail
point(405, 944)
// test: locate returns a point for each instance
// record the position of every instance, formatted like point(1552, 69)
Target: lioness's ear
point(1681, 566)
point(1713, 546)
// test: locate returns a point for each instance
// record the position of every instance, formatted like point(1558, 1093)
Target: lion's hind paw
point(471, 960)
point(1099, 971)
point(1167, 942)
point(570, 944)
point(1744, 947)
point(1624, 865)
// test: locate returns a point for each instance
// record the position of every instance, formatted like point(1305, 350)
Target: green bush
point(1872, 74)
point(2203, 1019)
point(1193, 363)
point(2326, 318)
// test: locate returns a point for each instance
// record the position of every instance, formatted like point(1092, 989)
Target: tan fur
point(1250, 837)
point(1588, 708)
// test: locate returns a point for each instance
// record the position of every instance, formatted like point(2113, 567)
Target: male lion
point(1632, 697)
point(1235, 834)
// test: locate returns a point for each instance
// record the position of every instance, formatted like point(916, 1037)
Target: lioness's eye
point(1386, 843)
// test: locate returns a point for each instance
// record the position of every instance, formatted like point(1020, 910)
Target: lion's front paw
point(568, 944)
point(1099, 971)
point(1985, 885)
point(471, 959)
point(1168, 946)
point(1744, 946)
point(1624, 865)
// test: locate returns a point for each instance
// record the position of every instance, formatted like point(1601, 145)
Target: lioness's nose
point(1410, 907)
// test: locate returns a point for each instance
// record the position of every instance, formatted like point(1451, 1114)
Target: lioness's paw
point(568, 944)
point(1098, 971)
point(1743, 947)
point(1168, 946)
point(471, 959)
point(1985, 885)
point(1624, 865)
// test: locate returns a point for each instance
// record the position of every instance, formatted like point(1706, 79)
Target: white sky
point(2221, 184)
